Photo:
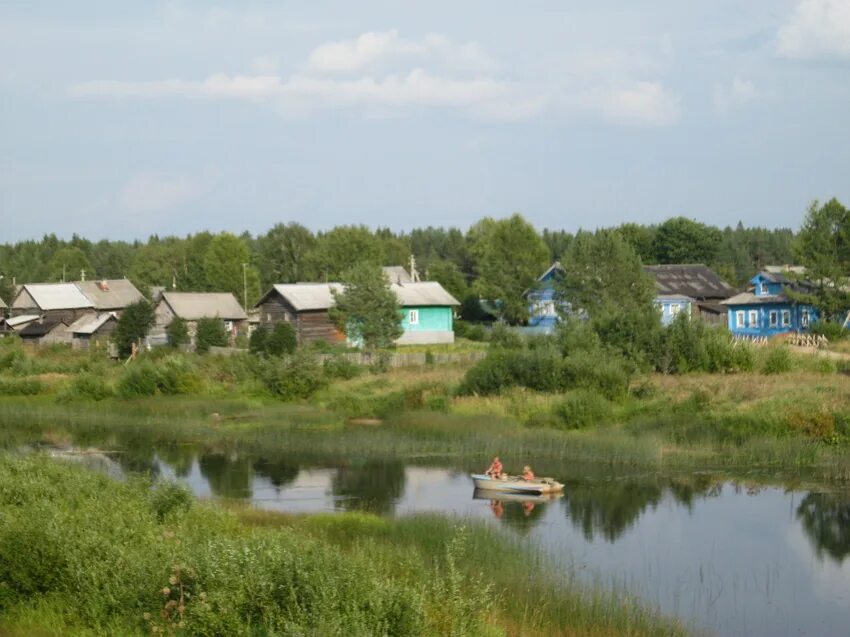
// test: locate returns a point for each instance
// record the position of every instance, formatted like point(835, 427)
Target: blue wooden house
point(672, 305)
point(542, 301)
point(766, 310)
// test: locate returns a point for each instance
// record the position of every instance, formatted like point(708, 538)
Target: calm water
point(728, 559)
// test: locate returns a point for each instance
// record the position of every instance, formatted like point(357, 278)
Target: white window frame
point(753, 318)
point(739, 318)
point(774, 318)
point(228, 327)
point(675, 308)
point(805, 317)
point(413, 317)
point(786, 318)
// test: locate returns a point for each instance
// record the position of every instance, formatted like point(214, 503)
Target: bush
point(778, 360)
point(503, 336)
point(338, 366)
point(258, 341)
point(469, 331)
point(582, 408)
point(292, 377)
point(172, 375)
point(177, 332)
point(168, 497)
point(21, 387)
point(139, 379)
point(89, 386)
point(210, 333)
point(833, 331)
point(282, 340)
point(594, 370)
point(489, 376)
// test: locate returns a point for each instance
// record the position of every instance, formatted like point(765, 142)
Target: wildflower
point(146, 616)
point(172, 580)
point(166, 591)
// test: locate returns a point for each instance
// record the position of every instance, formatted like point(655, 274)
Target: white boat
point(523, 498)
point(515, 484)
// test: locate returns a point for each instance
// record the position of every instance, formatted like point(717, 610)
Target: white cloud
point(150, 193)
point(816, 29)
point(733, 95)
point(643, 104)
point(381, 47)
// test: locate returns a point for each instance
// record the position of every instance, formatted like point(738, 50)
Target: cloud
point(733, 95)
point(818, 29)
point(150, 193)
point(383, 47)
point(642, 104)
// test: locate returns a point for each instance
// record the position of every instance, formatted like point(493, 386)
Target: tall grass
point(81, 554)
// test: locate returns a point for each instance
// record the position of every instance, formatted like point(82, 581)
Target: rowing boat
point(515, 484)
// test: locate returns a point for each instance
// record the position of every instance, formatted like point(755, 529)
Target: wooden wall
point(314, 325)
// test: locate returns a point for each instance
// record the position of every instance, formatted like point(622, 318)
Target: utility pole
point(245, 286)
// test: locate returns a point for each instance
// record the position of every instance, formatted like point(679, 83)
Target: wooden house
point(92, 328)
point(15, 324)
point(543, 305)
point(3, 308)
point(48, 331)
point(766, 310)
point(194, 306)
point(705, 288)
point(427, 311)
point(110, 295)
point(305, 306)
point(59, 301)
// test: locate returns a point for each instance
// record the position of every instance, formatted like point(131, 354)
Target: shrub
point(90, 386)
point(819, 425)
point(833, 331)
point(505, 337)
point(594, 370)
point(168, 497)
point(469, 331)
point(581, 408)
point(778, 360)
point(177, 332)
point(291, 377)
point(338, 366)
point(134, 324)
point(488, 376)
point(21, 387)
point(138, 379)
point(258, 341)
point(210, 333)
point(282, 339)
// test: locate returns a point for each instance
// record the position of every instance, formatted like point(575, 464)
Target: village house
point(692, 288)
point(543, 314)
point(765, 309)
point(110, 295)
point(194, 306)
point(92, 329)
point(427, 311)
point(57, 301)
point(15, 324)
point(3, 308)
point(46, 331)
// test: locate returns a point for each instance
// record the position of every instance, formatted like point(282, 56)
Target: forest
point(475, 261)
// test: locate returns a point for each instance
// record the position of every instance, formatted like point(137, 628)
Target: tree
point(367, 309)
point(177, 332)
point(282, 340)
point(7, 290)
point(823, 246)
point(283, 254)
point(448, 275)
point(604, 279)
point(509, 256)
point(682, 240)
point(68, 264)
point(257, 341)
point(134, 324)
point(210, 332)
point(227, 267)
point(343, 247)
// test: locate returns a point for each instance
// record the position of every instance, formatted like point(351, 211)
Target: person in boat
point(495, 469)
point(527, 473)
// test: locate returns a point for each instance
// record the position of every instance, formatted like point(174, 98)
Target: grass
point(81, 554)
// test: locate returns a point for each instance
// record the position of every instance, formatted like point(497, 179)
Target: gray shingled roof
point(23, 319)
point(37, 329)
point(696, 281)
point(317, 296)
point(397, 274)
point(90, 323)
point(110, 294)
point(57, 296)
point(192, 306)
point(748, 298)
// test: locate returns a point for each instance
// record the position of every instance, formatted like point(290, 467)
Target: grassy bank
point(81, 554)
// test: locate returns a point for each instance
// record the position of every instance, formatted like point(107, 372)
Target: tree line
point(494, 258)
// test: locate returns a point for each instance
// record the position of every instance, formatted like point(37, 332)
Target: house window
point(739, 318)
point(786, 318)
point(675, 309)
point(754, 318)
point(413, 317)
point(804, 318)
point(228, 326)
point(774, 318)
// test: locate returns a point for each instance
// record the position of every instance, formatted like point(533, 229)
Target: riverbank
point(81, 554)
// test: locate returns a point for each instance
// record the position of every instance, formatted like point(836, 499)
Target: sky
point(119, 120)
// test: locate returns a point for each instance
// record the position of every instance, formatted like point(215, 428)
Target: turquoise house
point(427, 313)
point(766, 310)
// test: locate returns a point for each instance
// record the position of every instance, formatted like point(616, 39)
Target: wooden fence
point(393, 359)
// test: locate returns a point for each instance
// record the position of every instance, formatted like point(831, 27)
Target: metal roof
point(674, 297)
point(308, 296)
point(110, 294)
point(15, 321)
point(397, 274)
point(423, 293)
point(748, 298)
point(56, 296)
point(694, 280)
point(192, 306)
point(90, 323)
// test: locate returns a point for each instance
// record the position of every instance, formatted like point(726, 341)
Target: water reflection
point(228, 476)
point(825, 518)
point(522, 512)
point(279, 471)
point(373, 485)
